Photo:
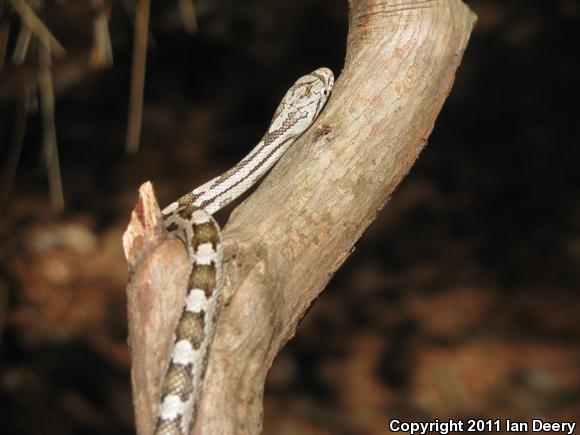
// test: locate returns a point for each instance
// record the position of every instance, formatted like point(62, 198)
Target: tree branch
point(285, 242)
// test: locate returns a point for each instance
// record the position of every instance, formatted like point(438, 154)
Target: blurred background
point(460, 301)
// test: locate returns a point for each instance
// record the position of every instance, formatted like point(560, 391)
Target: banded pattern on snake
point(189, 219)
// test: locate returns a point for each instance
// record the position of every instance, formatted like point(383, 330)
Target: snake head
point(310, 92)
point(303, 102)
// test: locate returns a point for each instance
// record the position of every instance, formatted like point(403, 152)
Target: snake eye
point(325, 92)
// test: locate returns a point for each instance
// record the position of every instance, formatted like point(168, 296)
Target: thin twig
point(138, 76)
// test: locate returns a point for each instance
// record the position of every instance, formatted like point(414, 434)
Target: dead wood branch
point(285, 242)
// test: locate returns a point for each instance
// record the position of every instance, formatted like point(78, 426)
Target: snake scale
point(190, 219)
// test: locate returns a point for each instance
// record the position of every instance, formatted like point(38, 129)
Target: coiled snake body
point(190, 220)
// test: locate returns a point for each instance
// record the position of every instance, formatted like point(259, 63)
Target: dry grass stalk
point(4, 33)
point(22, 44)
point(188, 16)
point(50, 148)
point(16, 142)
point(102, 52)
point(29, 17)
point(138, 76)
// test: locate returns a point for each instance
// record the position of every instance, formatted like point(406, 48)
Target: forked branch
point(284, 243)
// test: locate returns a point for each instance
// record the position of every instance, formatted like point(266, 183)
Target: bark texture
point(284, 243)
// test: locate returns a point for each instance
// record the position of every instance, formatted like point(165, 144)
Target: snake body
point(190, 219)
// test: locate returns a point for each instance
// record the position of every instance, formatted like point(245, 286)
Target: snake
point(190, 220)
